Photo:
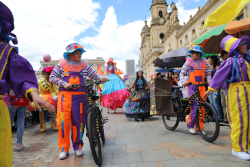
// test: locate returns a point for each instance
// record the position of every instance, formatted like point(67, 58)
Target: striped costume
point(72, 103)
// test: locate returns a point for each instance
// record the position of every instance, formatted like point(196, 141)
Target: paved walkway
point(131, 144)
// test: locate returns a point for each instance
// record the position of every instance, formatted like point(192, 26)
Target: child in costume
point(47, 91)
point(196, 68)
point(138, 104)
point(72, 103)
point(15, 72)
point(114, 93)
point(236, 70)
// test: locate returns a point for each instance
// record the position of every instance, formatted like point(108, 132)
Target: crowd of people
point(21, 95)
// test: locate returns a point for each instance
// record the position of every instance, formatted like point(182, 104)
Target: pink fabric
point(119, 97)
point(73, 67)
point(196, 63)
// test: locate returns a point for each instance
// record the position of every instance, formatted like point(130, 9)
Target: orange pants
point(71, 113)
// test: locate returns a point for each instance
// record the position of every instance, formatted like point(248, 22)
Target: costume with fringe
point(114, 93)
point(138, 103)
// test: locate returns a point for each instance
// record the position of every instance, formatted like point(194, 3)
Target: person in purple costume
point(236, 70)
point(15, 72)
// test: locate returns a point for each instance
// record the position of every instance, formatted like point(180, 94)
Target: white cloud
point(48, 26)
point(184, 14)
point(113, 40)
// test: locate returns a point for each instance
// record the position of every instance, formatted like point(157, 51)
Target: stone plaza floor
point(131, 144)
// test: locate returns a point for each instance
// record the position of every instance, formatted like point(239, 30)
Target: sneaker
point(248, 151)
point(19, 146)
point(48, 123)
point(79, 152)
point(63, 155)
point(241, 155)
point(192, 131)
point(27, 124)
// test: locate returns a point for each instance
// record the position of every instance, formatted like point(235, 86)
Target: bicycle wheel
point(94, 139)
point(171, 122)
point(211, 128)
point(101, 125)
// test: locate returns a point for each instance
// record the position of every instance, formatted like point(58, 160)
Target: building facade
point(92, 63)
point(165, 32)
point(130, 70)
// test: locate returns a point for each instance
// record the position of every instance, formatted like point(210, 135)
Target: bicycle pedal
point(105, 120)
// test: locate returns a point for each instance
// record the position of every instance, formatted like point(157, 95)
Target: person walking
point(236, 70)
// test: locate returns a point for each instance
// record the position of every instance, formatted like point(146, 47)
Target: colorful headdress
point(48, 69)
point(110, 60)
point(139, 69)
point(196, 48)
point(230, 43)
point(71, 48)
point(6, 25)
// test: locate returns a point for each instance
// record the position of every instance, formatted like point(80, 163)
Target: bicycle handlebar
point(86, 85)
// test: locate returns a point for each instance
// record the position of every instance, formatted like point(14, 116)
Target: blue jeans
point(214, 99)
point(21, 112)
point(46, 113)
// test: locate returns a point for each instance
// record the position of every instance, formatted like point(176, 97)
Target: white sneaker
point(241, 155)
point(192, 131)
point(79, 152)
point(19, 146)
point(63, 155)
point(248, 151)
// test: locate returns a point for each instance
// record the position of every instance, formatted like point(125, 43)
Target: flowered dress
point(138, 104)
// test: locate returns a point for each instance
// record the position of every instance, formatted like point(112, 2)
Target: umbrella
point(163, 70)
point(175, 58)
point(212, 39)
point(176, 70)
point(159, 63)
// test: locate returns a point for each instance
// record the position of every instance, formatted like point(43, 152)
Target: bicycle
point(95, 122)
point(182, 108)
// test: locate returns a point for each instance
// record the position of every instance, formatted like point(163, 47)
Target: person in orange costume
point(47, 91)
point(72, 103)
point(196, 68)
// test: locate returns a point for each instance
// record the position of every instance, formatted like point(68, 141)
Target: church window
point(240, 17)
point(160, 13)
point(180, 43)
point(193, 31)
point(161, 37)
point(202, 23)
point(186, 38)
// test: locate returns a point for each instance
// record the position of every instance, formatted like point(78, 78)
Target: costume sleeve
point(184, 72)
point(55, 88)
point(93, 74)
point(224, 72)
point(208, 72)
point(22, 77)
point(55, 76)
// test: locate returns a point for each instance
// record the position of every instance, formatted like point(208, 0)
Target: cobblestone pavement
point(131, 144)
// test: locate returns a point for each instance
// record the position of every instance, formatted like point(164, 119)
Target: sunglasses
point(243, 43)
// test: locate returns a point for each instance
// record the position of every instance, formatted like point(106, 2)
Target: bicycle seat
point(177, 87)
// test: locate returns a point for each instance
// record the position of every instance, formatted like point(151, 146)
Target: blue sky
point(131, 10)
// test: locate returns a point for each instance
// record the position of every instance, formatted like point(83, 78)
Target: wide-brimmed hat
point(71, 48)
point(196, 48)
point(230, 43)
point(110, 60)
point(139, 69)
point(6, 24)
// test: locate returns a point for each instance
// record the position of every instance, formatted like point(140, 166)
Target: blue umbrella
point(176, 70)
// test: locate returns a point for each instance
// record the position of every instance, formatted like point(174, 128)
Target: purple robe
point(224, 72)
point(17, 73)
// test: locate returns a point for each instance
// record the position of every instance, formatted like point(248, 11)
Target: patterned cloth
point(138, 104)
point(58, 72)
point(194, 65)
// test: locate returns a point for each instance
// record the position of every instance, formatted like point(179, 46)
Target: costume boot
point(54, 126)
